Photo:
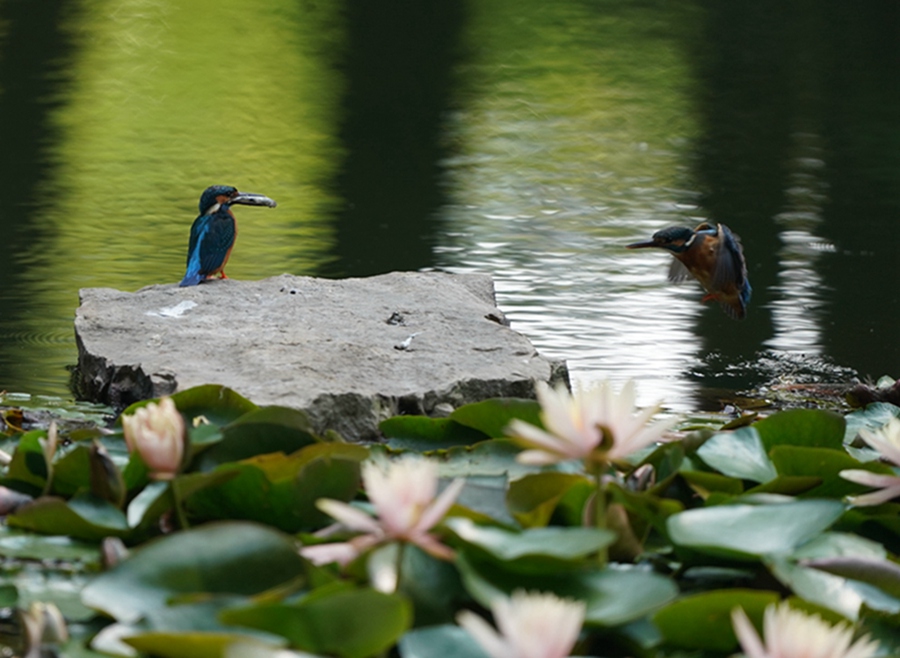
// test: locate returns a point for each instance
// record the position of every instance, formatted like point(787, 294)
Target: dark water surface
point(527, 139)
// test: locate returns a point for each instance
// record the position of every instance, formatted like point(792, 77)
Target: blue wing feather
point(212, 236)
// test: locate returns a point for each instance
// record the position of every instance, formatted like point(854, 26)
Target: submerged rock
point(349, 352)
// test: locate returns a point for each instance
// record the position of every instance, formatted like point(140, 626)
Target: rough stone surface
point(338, 349)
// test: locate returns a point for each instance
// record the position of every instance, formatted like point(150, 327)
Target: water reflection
point(797, 310)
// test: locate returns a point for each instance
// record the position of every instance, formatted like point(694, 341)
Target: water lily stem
point(401, 549)
point(600, 513)
point(179, 509)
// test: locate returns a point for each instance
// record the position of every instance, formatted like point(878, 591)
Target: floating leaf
point(745, 531)
point(738, 454)
point(492, 416)
point(534, 550)
point(533, 498)
point(29, 464)
point(873, 417)
point(349, 623)
point(882, 573)
point(703, 621)
point(281, 490)
point(825, 464)
point(234, 558)
point(447, 641)
point(422, 433)
point(810, 428)
point(219, 405)
point(83, 517)
point(613, 596)
point(262, 431)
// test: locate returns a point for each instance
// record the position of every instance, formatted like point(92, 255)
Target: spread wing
point(731, 268)
point(678, 272)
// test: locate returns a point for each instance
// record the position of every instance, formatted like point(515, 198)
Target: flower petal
point(342, 553)
point(350, 517)
point(440, 505)
point(484, 634)
point(747, 635)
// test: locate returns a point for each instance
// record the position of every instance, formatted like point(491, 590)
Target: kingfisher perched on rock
point(214, 231)
point(712, 255)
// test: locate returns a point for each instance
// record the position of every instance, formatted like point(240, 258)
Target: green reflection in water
point(574, 135)
point(165, 98)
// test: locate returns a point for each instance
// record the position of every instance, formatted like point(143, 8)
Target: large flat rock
point(338, 349)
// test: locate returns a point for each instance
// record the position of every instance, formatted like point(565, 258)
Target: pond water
point(526, 139)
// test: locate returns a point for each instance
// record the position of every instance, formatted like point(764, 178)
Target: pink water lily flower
point(887, 442)
point(531, 625)
point(407, 507)
point(595, 421)
point(157, 433)
point(791, 633)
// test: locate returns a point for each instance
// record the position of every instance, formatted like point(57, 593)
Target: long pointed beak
point(251, 199)
point(642, 245)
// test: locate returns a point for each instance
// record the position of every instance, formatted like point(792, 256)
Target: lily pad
point(810, 428)
point(351, 623)
point(703, 621)
point(533, 498)
point(739, 454)
point(281, 490)
point(745, 531)
point(232, 558)
point(493, 416)
point(613, 596)
point(261, 431)
point(825, 464)
point(83, 517)
point(219, 405)
point(423, 434)
point(534, 550)
point(446, 641)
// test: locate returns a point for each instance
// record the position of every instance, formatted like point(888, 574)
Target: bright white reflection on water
point(798, 307)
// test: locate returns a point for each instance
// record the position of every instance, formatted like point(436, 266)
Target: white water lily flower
point(531, 625)
point(887, 442)
point(157, 433)
point(407, 507)
point(792, 633)
point(596, 419)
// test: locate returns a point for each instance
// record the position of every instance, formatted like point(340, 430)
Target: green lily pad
point(873, 417)
point(810, 428)
point(72, 471)
point(739, 454)
point(281, 490)
point(881, 573)
point(262, 431)
point(704, 483)
point(825, 464)
point(220, 405)
point(184, 645)
point(446, 641)
point(232, 558)
point(534, 550)
point(493, 416)
point(533, 498)
point(613, 596)
point(703, 621)
point(422, 433)
point(350, 623)
point(745, 531)
point(82, 517)
point(28, 471)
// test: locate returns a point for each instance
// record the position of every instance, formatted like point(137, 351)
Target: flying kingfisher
point(214, 231)
point(712, 255)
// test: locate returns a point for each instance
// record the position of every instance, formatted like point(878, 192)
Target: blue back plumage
point(212, 236)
